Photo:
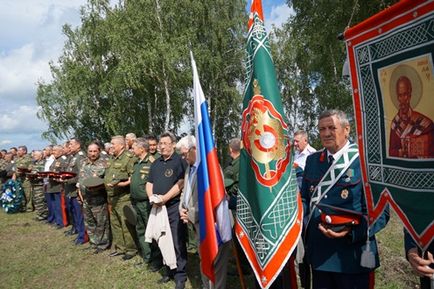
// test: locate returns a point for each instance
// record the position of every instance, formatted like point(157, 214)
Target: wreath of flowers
point(12, 195)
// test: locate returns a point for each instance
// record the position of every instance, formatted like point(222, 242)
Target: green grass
point(35, 255)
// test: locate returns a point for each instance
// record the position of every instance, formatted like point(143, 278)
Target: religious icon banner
point(391, 65)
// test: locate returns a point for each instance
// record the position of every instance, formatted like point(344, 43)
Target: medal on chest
point(168, 173)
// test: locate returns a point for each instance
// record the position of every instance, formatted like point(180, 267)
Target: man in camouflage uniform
point(23, 162)
point(3, 165)
point(73, 164)
point(139, 198)
point(14, 152)
point(117, 183)
point(94, 199)
point(38, 187)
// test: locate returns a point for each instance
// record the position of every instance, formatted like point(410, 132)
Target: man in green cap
point(117, 182)
point(139, 198)
point(22, 165)
point(94, 198)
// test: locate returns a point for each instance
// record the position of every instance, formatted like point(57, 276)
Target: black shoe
point(180, 285)
point(154, 268)
point(165, 279)
point(97, 251)
point(78, 243)
point(139, 265)
point(69, 233)
point(115, 253)
point(127, 257)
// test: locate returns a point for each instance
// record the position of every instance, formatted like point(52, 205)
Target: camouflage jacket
point(91, 169)
point(36, 167)
point(23, 162)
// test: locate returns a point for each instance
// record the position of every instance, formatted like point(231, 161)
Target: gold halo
point(416, 84)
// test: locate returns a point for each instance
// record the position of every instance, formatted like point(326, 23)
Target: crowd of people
point(138, 196)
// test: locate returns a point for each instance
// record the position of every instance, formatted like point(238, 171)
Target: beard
point(403, 111)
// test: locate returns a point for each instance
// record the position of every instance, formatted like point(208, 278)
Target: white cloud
point(19, 71)
point(5, 142)
point(30, 37)
point(279, 15)
point(21, 120)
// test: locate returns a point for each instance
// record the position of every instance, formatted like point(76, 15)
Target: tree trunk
point(165, 79)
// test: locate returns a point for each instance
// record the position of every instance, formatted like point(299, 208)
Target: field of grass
point(35, 255)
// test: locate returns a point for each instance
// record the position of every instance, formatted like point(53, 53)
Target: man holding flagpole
point(189, 212)
point(269, 213)
point(213, 212)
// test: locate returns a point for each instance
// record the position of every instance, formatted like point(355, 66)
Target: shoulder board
point(151, 159)
point(81, 153)
point(63, 157)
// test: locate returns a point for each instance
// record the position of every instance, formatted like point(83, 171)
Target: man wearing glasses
point(166, 179)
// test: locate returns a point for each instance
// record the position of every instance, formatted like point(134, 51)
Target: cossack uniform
point(340, 256)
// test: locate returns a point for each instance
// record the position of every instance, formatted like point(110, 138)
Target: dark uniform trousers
point(179, 233)
point(56, 209)
point(332, 280)
point(77, 216)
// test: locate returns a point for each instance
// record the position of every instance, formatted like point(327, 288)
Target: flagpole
point(240, 271)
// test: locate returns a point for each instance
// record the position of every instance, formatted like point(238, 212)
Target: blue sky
point(30, 37)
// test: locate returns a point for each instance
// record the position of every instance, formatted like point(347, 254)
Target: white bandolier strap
point(333, 174)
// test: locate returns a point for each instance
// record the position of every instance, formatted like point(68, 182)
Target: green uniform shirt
point(57, 166)
point(140, 177)
point(232, 173)
point(120, 168)
point(73, 164)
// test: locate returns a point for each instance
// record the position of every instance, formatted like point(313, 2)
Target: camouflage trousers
point(122, 231)
point(39, 201)
point(27, 203)
point(96, 221)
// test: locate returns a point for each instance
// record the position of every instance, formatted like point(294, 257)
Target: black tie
point(331, 159)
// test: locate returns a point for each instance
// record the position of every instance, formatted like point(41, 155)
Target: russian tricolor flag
point(214, 221)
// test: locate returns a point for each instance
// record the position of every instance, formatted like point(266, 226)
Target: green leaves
point(127, 68)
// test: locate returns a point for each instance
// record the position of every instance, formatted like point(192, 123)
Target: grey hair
point(143, 143)
point(342, 116)
point(302, 133)
point(168, 134)
point(235, 144)
point(131, 135)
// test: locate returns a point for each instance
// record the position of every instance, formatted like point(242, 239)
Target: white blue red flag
point(214, 221)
